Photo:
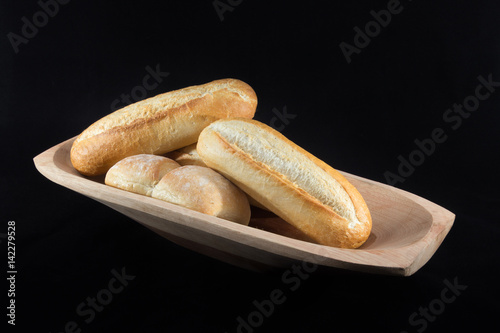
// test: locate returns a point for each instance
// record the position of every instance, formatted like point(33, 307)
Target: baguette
point(292, 183)
point(160, 124)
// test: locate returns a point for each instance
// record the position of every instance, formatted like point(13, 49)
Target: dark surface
point(358, 116)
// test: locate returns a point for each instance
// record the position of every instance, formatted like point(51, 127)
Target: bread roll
point(186, 156)
point(160, 124)
point(204, 190)
point(289, 181)
point(139, 173)
point(189, 156)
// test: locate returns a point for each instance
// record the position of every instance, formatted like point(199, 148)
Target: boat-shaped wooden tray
point(407, 229)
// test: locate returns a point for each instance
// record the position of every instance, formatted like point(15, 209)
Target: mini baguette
point(160, 124)
point(289, 181)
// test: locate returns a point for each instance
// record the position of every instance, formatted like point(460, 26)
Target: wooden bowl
point(407, 229)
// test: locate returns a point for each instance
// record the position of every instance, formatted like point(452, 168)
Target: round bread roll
point(186, 156)
point(189, 156)
point(204, 190)
point(139, 173)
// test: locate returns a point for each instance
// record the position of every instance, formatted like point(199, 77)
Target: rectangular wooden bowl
point(407, 229)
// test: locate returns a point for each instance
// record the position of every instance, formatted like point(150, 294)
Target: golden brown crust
point(160, 124)
point(362, 212)
point(277, 192)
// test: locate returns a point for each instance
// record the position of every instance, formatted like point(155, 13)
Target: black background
point(358, 116)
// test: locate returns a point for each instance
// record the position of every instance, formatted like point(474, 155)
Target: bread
point(189, 156)
point(186, 156)
point(160, 124)
point(139, 173)
point(204, 190)
point(298, 187)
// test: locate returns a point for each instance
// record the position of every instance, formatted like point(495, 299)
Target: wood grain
point(407, 229)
